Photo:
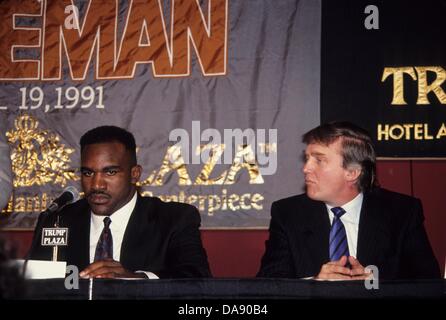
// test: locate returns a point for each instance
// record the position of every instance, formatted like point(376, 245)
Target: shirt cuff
point(149, 275)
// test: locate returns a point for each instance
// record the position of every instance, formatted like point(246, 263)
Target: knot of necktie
point(338, 212)
point(107, 222)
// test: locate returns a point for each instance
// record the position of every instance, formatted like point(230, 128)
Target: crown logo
point(26, 122)
point(38, 157)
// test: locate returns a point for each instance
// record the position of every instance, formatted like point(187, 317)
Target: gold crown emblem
point(37, 156)
point(26, 122)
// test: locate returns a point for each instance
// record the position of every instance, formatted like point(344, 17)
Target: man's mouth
point(98, 198)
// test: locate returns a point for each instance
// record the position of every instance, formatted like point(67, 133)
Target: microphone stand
point(70, 195)
point(56, 247)
point(44, 215)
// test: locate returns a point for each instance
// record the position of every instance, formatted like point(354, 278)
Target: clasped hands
point(108, 269)
point(339, 270)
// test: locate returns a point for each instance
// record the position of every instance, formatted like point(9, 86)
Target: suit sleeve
point(186, 256)
point(277, 260)
point(418, 258)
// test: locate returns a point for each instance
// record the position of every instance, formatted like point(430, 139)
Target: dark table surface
point(228, 288)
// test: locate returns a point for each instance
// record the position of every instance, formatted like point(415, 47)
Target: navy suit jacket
point(160, 237)
point(391, 236)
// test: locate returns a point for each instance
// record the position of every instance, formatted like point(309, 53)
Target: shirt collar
point(352, 209)
point(119, 218)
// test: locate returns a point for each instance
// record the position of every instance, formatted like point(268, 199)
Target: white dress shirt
point(118, 225)
point(350, 219)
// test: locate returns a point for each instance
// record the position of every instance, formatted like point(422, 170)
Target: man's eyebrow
point(103, 169)
point(320, 154)
point(111, 168)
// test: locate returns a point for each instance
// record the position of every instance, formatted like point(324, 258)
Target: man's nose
point(307, 167)
point(98, 182)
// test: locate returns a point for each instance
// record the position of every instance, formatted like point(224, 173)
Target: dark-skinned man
point(116, 233)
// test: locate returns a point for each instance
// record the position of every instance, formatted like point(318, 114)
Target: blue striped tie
point(104, 248)
point(338, 237)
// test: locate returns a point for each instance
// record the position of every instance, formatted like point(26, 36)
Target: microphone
point(68, 196)
point(52, 236)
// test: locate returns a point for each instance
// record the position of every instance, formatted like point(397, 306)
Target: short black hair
point(357, 148)
point(106, 134)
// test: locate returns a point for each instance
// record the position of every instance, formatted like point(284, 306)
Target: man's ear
point(136, 173)
point(353, 172)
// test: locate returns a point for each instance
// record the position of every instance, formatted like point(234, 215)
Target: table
point(228, 288)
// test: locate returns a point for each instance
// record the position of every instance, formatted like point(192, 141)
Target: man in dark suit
point(344, 222)
point(116, 233)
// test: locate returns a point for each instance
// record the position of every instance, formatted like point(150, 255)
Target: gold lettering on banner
point(224, 199)
point(19, 205)
point(441, 131)
point(435, 86)
point(398, 82)
point(233, 199)
point(268, 147)
point(191, 199)
point(208, 204)
point(421, 76)
point(245, 159)
point(405, 131)
point(173, 161)
point(38, 157)
point(216, 151)
point(201, 202)
point(215, 202)
point(9, 207)
point(27, 204)
point(254, 201)
point(213, 207)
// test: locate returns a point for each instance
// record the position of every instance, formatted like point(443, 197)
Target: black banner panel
point(384, 68)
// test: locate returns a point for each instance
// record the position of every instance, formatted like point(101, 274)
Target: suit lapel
point(316, 232)
point(136, 239)
point(79, 238)
point(373, 232)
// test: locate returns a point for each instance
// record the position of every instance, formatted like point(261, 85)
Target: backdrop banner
point(217, 93)
point(384, 68)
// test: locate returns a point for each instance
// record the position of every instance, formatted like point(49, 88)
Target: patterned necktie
point(104, 248)
point(338, 237)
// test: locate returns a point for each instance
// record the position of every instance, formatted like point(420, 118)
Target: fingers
point(105, 272)
point(358, 271)
point(363, 276)
point(340, 262)
point(96, 265)
point(332, 268)
point(103, 269)
point(332, 276)
point(337, 276)
point(353, 261)
point(337, 270)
